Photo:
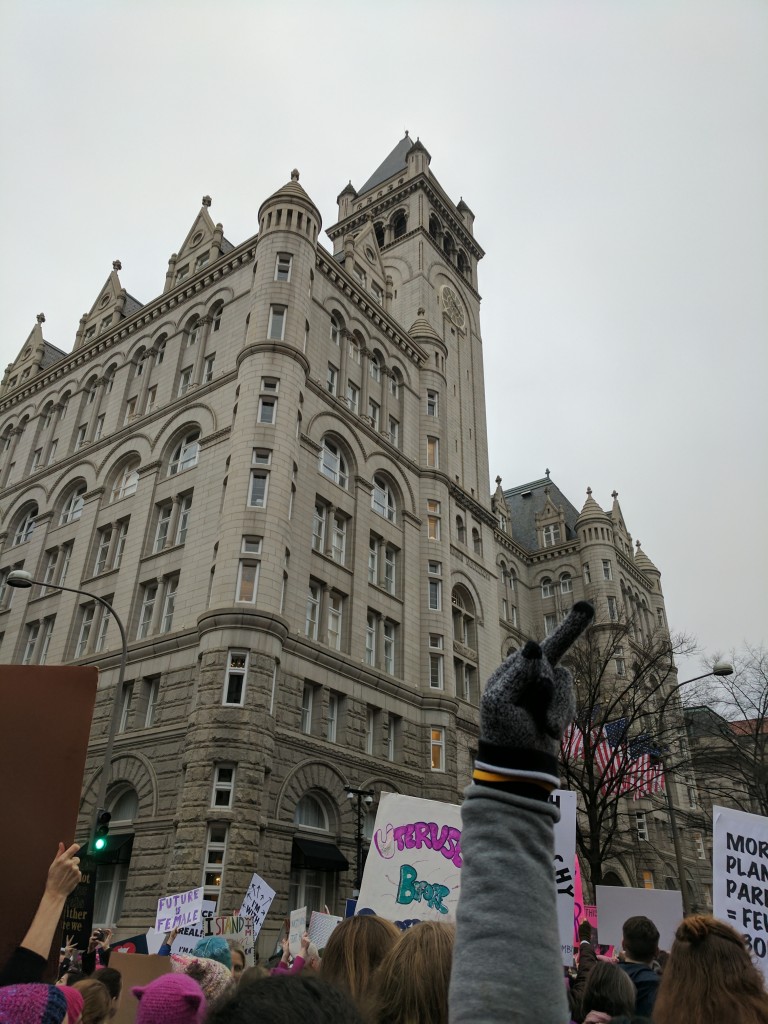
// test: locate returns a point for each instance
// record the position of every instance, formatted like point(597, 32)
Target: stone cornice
point(470, 504)
point(633, 571)
point(384, 323)
point(242, 618)
point(280, 347)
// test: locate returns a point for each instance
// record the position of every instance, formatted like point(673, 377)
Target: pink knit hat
point(170, 999)
point(214, 978)
point(75, 1002)
point(32, 1004)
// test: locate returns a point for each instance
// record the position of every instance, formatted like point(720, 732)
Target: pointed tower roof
point(394, 162)
point(591, 510)
point(293, 192)
point(35, 356)
point(616, 514)
point(422, 330)
point(643, 562)
point(112, 304)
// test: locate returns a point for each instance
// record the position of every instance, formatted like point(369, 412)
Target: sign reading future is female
point(414, 864)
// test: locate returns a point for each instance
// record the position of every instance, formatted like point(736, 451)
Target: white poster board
point(181, 910)
point(320, 928)
point(615, 904)
point(188, 938)
point(296, 928)
point(413, 868)
point(565, 858)
point(257, 901)
point(739, 874)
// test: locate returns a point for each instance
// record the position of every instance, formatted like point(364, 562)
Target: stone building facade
point(276, 471)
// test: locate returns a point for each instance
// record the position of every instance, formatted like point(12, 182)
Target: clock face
point(452, 306)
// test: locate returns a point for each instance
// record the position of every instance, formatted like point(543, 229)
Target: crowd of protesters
point(494, 966)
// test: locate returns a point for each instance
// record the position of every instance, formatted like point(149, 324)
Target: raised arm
point(506, 961)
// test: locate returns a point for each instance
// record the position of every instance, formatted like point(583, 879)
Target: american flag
point(573, 743)
point(608, 750)
point(645, 774)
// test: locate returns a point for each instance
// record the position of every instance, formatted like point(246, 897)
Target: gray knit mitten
point(527, 704)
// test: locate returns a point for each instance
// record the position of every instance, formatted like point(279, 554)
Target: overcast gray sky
point(615, 155)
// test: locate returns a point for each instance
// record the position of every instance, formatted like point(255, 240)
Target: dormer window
point(551, 535)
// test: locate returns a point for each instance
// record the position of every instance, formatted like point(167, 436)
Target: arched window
point(46, 417)
point(378, 230)
point(310, 813)
point(461, 530)
point(125, 807)
point(109, 379)
point(463, 613)
point(547, 587)
point(383, 499)
point(72, 508)
point(477, 542)
point(395, 384)
point(90, 390)
point(462, 263)
point(194, 328)
point(333, 464)
point(448, 244)
point(434, 227)
point(141, 362)
point(566, 583)
point(400, 224)
point(216, 312)
point(355, 349)
point(25, 526)
point(126, 482)
point(336, 329)
point(160, 349)
point(375, 367)
point(185, 454)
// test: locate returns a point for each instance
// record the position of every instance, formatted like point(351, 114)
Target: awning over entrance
point(309, 853)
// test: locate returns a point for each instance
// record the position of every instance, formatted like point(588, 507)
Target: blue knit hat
point(214, 948)
point(32, 1004)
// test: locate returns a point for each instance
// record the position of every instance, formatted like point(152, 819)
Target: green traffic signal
point(101, 830)
point(100, 843)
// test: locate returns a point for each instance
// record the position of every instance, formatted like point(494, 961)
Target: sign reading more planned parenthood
point(740, 877)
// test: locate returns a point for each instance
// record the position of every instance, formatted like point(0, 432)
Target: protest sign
point(565, 856)
point(182, 910)
point(296, 928)
point(320, 928)
point(77, 919)
point(257, 901)
point(740, 877)
point(188, 938)
point(234, 926)
point(615, 904)
point(413, 868)
point(135, 944)
point(136, 970)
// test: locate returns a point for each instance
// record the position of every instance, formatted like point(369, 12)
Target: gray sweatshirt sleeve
point(506, 961)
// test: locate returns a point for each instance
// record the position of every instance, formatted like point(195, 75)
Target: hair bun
point(694, 929)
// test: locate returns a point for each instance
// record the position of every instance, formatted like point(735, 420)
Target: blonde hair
point(411, 985)
point(97, 1003)
point(354, 950)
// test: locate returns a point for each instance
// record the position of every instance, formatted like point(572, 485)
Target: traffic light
point(101, 830)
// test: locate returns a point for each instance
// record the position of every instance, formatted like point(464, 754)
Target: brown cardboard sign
point(136, 969)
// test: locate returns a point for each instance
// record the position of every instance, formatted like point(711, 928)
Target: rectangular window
point(52, 452)
point(169, 603)
point(433, 452)
point(551, 535)
point(436, 670)
point(432, 403)
point(550, 622)
point(332, 379)
point(698, 841)
point(102, 553)
point(267, 410)
point(104, 617)
point(621, 665)
point(271, 384)
point(185, 509)
point(208, 365)
point(660, 617)
point(370, 639)
point(371, 717)
point(435, 595)
point(373, 559)
point(152, 690)
point(433, 520)
point(87, 613)
point(151, 398)
point(48, 625)
point(333, 716)
point(122, 536)
point(283, 267)
point(149, 596)
point(130, 410)
point(125, 707)
point(378, 293)
point(437, 748)
point(223, 785)
point(213, 869)
point(587, 576)
point(185, 380)
point(394, 724)
point(163, 524)
point(33, 631)
point(353, 397)
point(80, 436)
point(247, 581)
point(339, 539)
point(257, 495)
point(202, 260)
point(648, 880)
point(389, 649)
point(276, 331)
point(641, 825)
point(307, 708)
point(261, 457)
point(234, 680)
point(607, 570)
point(374, 412)
point(312, 616)
point(613, 609)
point(335, 620)
point(37, 459)
point(319, 519)
point(390, 569)
point(66, 558)
point(394, 431)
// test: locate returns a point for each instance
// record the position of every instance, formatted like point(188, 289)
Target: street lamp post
point(720, 668)
point(364, 797)
point(23, 580)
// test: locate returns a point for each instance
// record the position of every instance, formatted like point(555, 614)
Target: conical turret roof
point(591, 510)
point(292, 192)
point(422, 330)
point(642, 561)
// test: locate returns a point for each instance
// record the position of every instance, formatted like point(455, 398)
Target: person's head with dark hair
point(286, 1000)
point(251, 974)
point(640, 940)
point(412, 982)
point(354, 950)
point(710, 977)
point(608, 992)
point(112, 981)
point(585, 931)
point(96, 999)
